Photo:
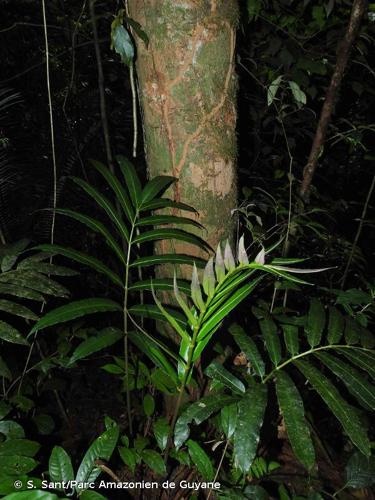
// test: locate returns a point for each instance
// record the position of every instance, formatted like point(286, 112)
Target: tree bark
point(358, 10)
point(187, 88)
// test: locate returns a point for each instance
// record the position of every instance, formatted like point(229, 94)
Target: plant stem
point(219, 467)
point(307, 353)
point(103, 109)
point(182, 389)
point(125, 318)
point(52, 131)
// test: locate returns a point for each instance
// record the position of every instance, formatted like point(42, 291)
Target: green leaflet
point(106, 205)
point(177, 259)
point(75, 310)
point(16, 465)
point(34, 281)
point(156, 187)
point(291, 407)
point(152, 348)
point(171, 234)
point(152, 311)
point(160, 284)
point(352, 331)
point(154, 460)
point(360, 471)
point(157, 220)
point(335, 326)
point(97, 227)
point(20, 291)
point(199, 412)
point(251, 409)
point(201, 460)
point(248, 346)
point(161, 432)
point(271, 339)
point(360, 357)
point(10, 334)
point(131, 180)
point(315, 322)
point(217, 371)
point(291, 338)
point(103, 448)
point(60, 466)
point(82, 258)
point(228, 419)
point(165, 203)
point(345, 413)
point(21, 447)
point(354, 380)
point(101, 340)
point(119, 191)
point(17, 310)
point(232, 301)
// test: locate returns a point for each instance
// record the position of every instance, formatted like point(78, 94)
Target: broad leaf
point(199, 412)
point(228, 419)
point(17, 310)
point(271, 338)
point(345, 413)
point(291, 338)
point(360, 471)
point(10, 334)
point(249, 348)
point(161, 432)
point(315, 322)
point(201, 460)
point(21, 291)
point(101, 448)
point(217, 371)
point(60, 465)
point(335, 326)
point(22, 447)
point(354, 380)
point(154, 460)
point(101, 340)
point(360, 357)
point(291, 407)
point(249, 421)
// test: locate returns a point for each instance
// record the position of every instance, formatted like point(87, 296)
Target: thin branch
point(345, 46)
point(52, 234)
point(37, 65)
point(34, 25)
point(103, 109)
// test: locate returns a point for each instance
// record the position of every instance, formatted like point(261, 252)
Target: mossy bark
point(187, 87)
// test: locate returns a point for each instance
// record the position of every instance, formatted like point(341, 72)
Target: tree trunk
point(187, 88)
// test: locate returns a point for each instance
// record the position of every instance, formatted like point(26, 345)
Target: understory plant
point(279, 351)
